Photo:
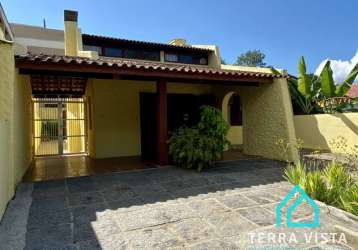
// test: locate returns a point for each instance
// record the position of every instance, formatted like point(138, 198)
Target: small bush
point(296, 174)
point(349, 200)
point(198, 147)
point(332, 185)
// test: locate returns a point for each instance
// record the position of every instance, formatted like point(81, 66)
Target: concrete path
point(231, 206)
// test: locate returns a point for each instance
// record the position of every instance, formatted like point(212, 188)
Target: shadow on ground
point(166, 208)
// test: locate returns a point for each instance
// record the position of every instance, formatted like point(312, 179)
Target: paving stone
point(218, 179)
point(126, 205)
point(50, 218)
point(119, 194)
point(145, 189)
point(92, 212)
point(80, 199)
point(213, 209)
point(230, 224)
point(49, 188)
point(98, 229)
point(196, 182)
point(262, 197)
point(214, 244)
point(173, 186)
point(81, 184)
point(51, 203)
point(112, 242)
point(193, 230)
point(207, 207)
point(258, 215)
point(237, 201)
point(152, 198)
point(133, 178)
point(153, 238)
point(106, 181)
point(153, 216)
point(49, 237)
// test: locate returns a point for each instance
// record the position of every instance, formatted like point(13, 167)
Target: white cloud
point(340, 68)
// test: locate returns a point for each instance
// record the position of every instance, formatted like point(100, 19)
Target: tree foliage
point(252, 58)
point(311, 93)
point(199, 146)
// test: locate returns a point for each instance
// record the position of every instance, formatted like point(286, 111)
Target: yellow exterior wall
point(15, 126)
point(267, 117)
point(116, 117)
point(6, 98)
point(235, 135)
point(71, 38)
point(116, 114)
point(317, 131)
point(22, 126)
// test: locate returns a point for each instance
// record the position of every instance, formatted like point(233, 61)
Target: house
point(112, 97)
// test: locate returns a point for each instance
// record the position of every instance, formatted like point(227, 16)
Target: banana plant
point(305, 89)
point(330, 88)
point(333, 92)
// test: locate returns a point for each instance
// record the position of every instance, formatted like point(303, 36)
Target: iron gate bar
point(59, 126)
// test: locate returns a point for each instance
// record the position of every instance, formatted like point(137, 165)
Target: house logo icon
point(302, 197)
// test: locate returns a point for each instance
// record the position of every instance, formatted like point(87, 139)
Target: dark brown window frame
point(193, 55)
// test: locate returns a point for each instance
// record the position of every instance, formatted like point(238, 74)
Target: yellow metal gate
point(59, 126)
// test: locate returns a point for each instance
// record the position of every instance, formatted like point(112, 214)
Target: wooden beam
point(162, 123)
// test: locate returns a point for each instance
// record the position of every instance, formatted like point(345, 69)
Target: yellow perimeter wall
point(15, 125)
point(115, 115)
point(317, 131)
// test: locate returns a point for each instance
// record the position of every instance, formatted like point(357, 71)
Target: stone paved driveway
point(228, 207)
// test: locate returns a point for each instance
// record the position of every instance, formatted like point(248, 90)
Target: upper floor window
point(131, 53)
point(201, 59)
point(113, 52)
point(93, 48)
point(171, 57)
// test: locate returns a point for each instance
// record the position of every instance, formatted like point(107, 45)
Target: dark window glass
point(235, 110)
point(151, 55)
point(131, 54)
point(113, 52)
point(171, 57)
point(186, 59)
point(93, 48)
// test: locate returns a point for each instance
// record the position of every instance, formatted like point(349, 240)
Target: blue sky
point(283, 30)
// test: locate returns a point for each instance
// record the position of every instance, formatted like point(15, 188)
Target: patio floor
point(60, 167)
point(164, 208)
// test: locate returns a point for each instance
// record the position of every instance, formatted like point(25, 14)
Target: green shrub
point(315, 185)
point(332, 185)
point(296, 174)
point(349, 200)
point(199, 146)
point(338, 181)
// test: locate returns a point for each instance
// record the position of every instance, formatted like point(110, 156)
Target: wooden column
point(162, 123)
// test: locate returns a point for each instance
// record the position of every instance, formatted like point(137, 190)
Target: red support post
point(162, 123)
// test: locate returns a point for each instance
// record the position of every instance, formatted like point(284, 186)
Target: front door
point(183, 109)
point(58, 126)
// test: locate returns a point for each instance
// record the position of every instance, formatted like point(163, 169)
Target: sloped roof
point(92, 38)
point(353, 92)
point(135, 67)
